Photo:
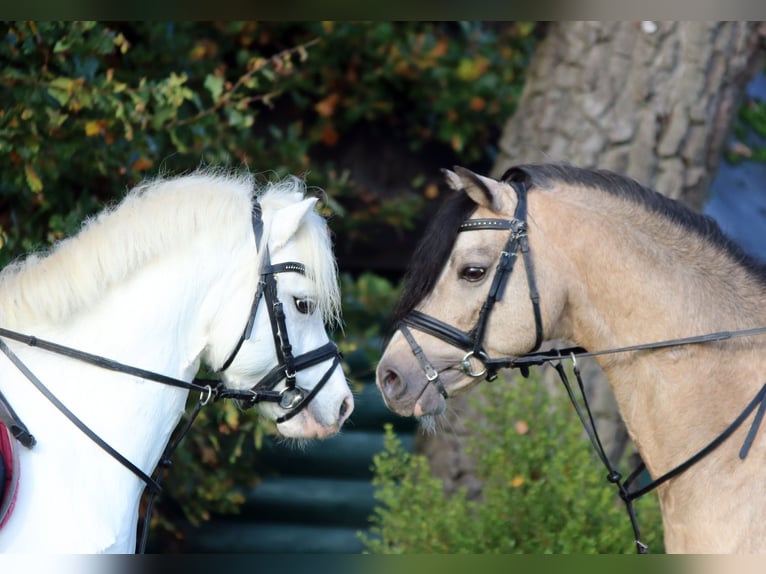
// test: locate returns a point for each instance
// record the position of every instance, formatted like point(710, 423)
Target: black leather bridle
point(473, 340)
point(291, 397)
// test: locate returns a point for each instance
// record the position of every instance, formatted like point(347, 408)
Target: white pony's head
point(294, 232)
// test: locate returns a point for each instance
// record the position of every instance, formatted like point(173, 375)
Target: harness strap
point(164, 463)
point(614, 477)
point(257, 219)
point(14, 424)
point(542, 357)
point(98, 361)
point(32, 378)
point(431, 374)
point(534, 294)
point(263, 390)
point(279, 329)
point(438, 329)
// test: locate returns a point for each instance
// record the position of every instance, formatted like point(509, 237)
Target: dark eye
point(473, 274)
point(304, 305)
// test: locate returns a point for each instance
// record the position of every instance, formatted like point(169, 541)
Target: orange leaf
point(517, 481)
point(142, 164)
point(521, 427)
point(329, 135)
point(326, 107)
point(440, 49)
point(477, 104)
point(432, 191)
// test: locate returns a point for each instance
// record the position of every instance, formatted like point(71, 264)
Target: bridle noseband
point(292, 397)
point(473, 341)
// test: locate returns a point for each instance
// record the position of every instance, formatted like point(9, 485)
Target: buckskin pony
point(672, 310)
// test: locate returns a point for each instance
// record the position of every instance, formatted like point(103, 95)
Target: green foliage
point(750, 131)
point(211, 468)
point(86, 114)
point(88, 109)
point(544, 491)
point(367, 304)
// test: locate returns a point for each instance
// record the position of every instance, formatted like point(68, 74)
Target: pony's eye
point(304, 305)
point(473, 274)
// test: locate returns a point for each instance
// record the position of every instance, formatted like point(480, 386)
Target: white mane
point(153, 218)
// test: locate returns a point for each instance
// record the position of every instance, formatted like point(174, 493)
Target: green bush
point(544, 489)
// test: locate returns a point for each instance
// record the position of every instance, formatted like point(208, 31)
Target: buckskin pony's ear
point(484, 191)
point(287, 221)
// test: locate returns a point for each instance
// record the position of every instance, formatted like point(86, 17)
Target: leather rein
point(472, 342)
point(291, 397)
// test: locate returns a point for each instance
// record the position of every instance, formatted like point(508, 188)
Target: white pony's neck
point(74, 497)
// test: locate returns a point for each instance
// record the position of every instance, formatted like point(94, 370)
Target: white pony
point(163, 281)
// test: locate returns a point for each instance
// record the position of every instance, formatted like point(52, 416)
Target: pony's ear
point(452, 180)
point(484, 191)
point(287, 221)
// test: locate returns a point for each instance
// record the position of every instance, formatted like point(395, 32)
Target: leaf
point(60, 89)
point(93, 128)
point(329, 136)
point(142, 164)
point(33, 180)
point(326, 107)
point(214, 85)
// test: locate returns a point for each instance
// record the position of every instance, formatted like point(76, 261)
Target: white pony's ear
point(484, 191)
point(287, 220)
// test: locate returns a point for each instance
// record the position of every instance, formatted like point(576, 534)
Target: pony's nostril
point(393, 386)
point(346, 408)
point(343, 409)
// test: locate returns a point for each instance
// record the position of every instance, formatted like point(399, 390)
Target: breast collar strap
point(473, 340)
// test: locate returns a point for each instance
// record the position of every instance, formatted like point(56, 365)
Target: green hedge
point(544, 489)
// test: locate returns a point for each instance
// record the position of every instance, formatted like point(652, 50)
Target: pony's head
point(297, 298)
point(467, 297)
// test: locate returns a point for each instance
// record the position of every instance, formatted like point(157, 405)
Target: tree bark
point(652, 100)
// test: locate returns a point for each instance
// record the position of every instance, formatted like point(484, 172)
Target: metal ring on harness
point(204, 400)
point(467, 367)
point(290, 397)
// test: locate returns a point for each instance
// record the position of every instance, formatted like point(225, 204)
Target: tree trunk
point(651, 100)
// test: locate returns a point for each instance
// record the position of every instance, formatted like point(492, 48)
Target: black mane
point(433, 251)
